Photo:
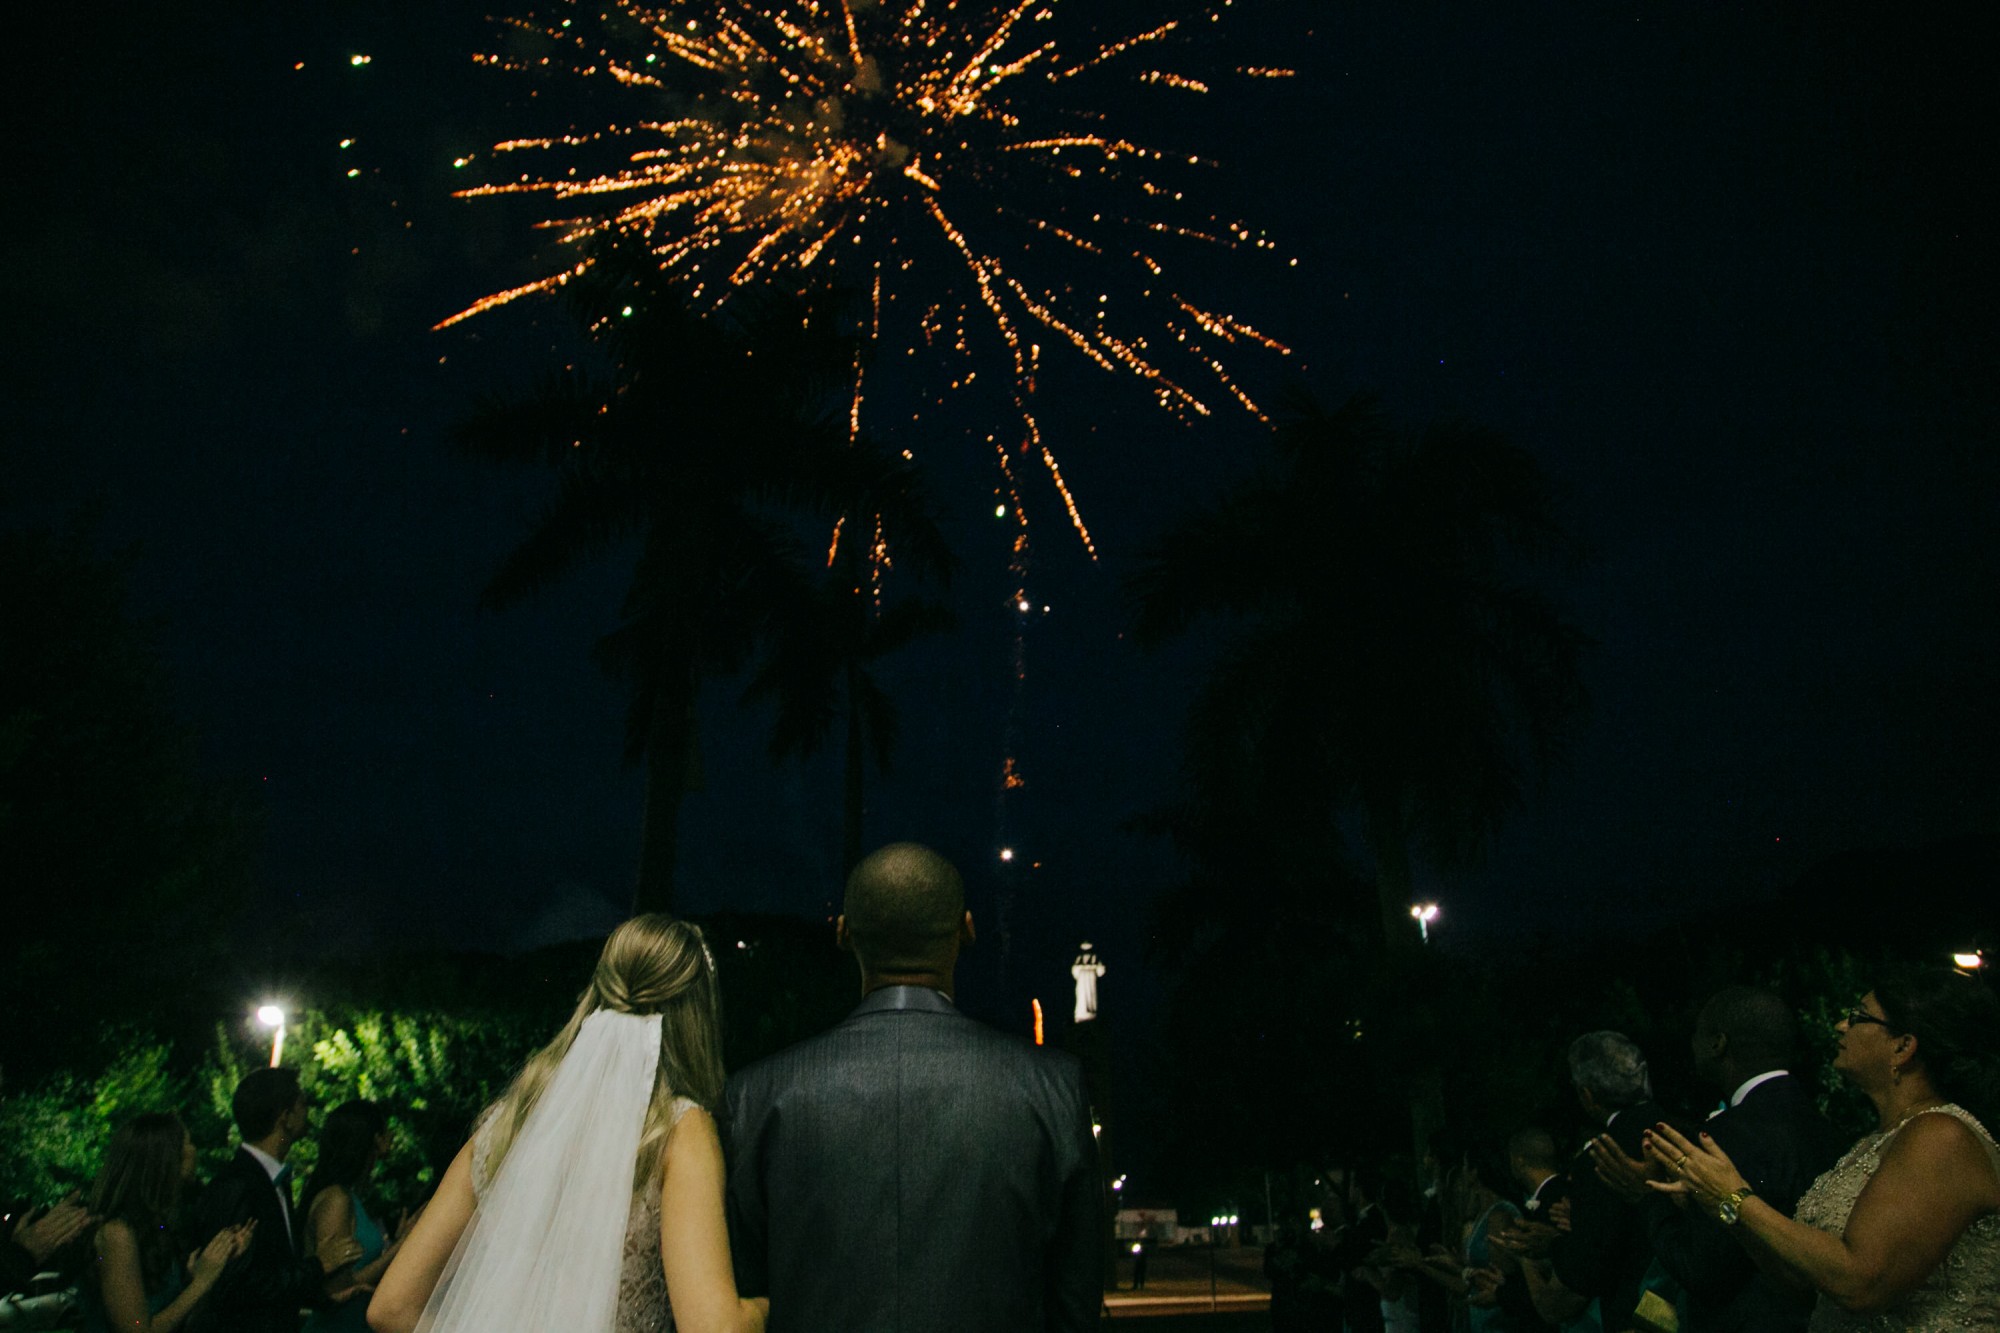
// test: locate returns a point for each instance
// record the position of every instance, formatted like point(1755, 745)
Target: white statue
point(1087, 969)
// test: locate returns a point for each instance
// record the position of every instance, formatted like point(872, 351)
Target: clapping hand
point(404, 1221)
point(1528, 1240)
point(42, 1233)
point(207, 1263)
point(1482, 1287)
point(337, 1252)
point(1692, 1169)
point(1559, 1215)
point(347, 1291)
point(1624, 1176)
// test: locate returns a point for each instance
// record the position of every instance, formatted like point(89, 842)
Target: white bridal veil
point(545, 1246)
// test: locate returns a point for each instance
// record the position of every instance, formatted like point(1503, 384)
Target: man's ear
point(966, 934)
point(841, 937)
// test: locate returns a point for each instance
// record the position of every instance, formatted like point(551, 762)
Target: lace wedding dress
point(1963, 1292)
point(642, 1281)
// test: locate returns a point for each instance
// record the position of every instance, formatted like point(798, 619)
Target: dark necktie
point(283, 1182)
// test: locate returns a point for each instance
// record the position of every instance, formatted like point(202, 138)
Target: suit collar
point(270, 1164)
point(890, 999)
point(1750, 1085)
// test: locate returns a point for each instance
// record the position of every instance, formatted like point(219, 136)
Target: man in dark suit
point(263, 1290)
point(912, 1169)
point(1536, 1169)
point(1769, 1124)
point(1606, 1252)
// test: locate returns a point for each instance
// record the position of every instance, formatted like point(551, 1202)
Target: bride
point(590, 1195)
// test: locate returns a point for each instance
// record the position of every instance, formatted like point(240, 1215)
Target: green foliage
point(1824, 983)
point(432, 1071)
point(52, 1136)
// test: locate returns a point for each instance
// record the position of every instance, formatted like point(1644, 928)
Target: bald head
point(904, 908)
point(1743, 1031)
point(1533, 1148)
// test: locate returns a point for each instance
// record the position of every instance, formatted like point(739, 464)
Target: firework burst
point(929, 153)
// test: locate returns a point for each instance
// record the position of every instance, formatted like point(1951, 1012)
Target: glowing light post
point(1423, 914)
point(1969, 963)
point(1215, 1224)
point(271, 1016)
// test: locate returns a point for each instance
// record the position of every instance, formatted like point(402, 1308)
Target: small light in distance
point(360, 60)
point(1006, 853)
point(1021, 605)
point(999, 511)
point(1969, 962)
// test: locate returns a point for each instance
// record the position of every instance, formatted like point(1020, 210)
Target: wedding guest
point(1745, 1042)
point(1402, 1210)
point(1604, 1253)
point(36, 1238)
point(33, 1238)
point(1903, 1234)
point(1489, 1204)
point(351, 1142)
point(1537, 1171)
point(264, 1293)
point(138, 1283)
point(1361, 1295)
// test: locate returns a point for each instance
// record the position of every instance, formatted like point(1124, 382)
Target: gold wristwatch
point(1729, 1210)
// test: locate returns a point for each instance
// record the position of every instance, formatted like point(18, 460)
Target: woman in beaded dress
point(589, 1198)
point(1902, 1235)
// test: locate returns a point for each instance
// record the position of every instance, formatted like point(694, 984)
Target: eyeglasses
point(1856, 1017)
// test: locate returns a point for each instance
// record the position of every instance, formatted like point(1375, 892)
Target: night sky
point(1724, 273)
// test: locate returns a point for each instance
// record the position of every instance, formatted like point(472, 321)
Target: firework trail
point(930, 153)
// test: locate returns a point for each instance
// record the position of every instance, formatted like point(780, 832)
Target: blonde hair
point(652, 964)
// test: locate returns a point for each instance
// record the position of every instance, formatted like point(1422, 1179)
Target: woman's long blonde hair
point(652, 964)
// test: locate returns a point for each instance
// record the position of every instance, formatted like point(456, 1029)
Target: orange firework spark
point(888, 143)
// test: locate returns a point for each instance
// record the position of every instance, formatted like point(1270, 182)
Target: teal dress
point(1479, 1254)
point(351, 1316)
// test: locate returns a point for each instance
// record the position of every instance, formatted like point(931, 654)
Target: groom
point(912, 1169)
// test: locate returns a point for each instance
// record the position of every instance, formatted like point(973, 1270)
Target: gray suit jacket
point(914, 1171)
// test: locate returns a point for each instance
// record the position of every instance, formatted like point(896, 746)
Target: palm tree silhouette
point(1391, 666)
point(712, 449)
point(817, 671)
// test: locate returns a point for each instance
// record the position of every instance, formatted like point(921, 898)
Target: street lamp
point(1423, 914)
point(271, 1016)
point(1969, 962)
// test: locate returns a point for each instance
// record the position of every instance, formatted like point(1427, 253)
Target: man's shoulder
point(1782, 1106)
point(236, 1171)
